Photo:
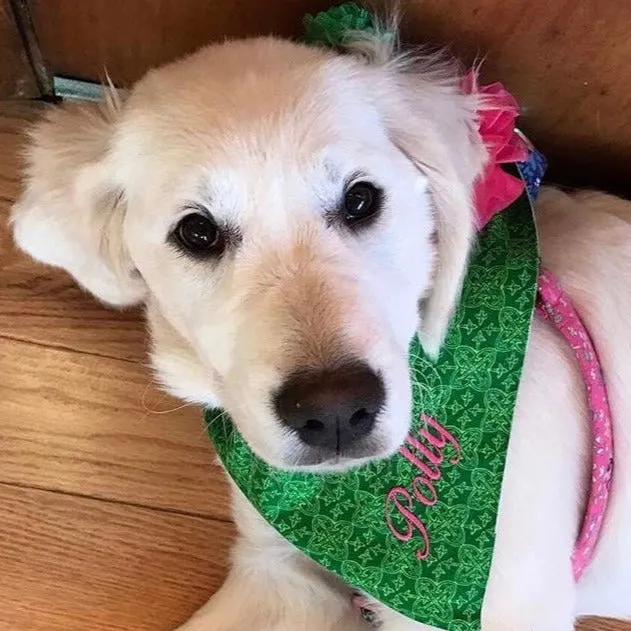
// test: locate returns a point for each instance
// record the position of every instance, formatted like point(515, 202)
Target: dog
point(291, 217)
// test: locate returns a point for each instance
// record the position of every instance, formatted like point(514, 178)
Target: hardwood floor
point(113, 516)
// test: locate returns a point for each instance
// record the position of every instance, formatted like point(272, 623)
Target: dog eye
point(361, 201)
point(199, 235)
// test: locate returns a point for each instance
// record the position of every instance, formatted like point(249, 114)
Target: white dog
point(285, 210)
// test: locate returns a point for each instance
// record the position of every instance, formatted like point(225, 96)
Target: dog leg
point(273, 587)
point(266, 601)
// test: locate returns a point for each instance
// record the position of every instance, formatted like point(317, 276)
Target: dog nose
point(331, 408)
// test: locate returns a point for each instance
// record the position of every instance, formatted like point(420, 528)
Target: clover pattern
point(339, 520)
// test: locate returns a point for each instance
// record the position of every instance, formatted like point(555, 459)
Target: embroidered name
point(425, 452)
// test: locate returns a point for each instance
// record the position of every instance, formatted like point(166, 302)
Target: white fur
point(262, 133)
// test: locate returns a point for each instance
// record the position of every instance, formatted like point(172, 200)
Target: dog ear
point(70, 214)
point(434, 126)
point(433, 122)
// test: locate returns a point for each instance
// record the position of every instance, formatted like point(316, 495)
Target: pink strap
point(554, 306)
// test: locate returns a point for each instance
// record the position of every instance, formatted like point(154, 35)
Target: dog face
point(290, 217)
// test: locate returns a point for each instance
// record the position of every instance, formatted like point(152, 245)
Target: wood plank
point(603, 624)
point(17, 80)
point(565, 60)
point(130, 36)
point(43, 305)
point(76, 564)
point(76, 423)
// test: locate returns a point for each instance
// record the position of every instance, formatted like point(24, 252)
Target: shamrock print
point(492, 281)
point(464, 625)
point(369, 511)
point(496, 404)
point(474, 368)
point(469, 444)
point(321, 541)
point(509, 334)
point(473, 568)
point(399, 559)
point(357, 573)
point(482, 495)
point(435, 599)
point(449, 521)
point(295, 496)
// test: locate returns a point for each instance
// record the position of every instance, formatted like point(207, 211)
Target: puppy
point(285, 210)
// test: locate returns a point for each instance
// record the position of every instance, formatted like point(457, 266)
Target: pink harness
point(553, 305)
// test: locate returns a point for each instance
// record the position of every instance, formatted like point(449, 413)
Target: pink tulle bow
point(495, 189)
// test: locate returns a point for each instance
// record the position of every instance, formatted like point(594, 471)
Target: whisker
point(148, 410)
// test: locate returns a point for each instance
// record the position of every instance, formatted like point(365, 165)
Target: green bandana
point(416, 531)
point(332, 27)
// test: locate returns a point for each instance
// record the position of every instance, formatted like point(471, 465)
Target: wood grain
point(17, 79)
point(130, 36)
point(566, 61)
point(76, 564)
point(113, 518)
point(603, 624)
point(74, 422)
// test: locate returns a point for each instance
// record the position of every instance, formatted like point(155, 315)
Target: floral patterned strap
point(555, 306)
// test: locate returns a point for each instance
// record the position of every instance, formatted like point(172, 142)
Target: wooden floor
point(113, 516)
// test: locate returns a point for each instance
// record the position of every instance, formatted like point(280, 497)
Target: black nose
point(331, 408)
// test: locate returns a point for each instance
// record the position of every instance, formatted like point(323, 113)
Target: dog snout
point(331, 408)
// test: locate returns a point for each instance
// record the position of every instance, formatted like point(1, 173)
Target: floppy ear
point(433, 123)
point(70, 214)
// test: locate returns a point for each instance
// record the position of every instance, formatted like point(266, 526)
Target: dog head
point(289, 216)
